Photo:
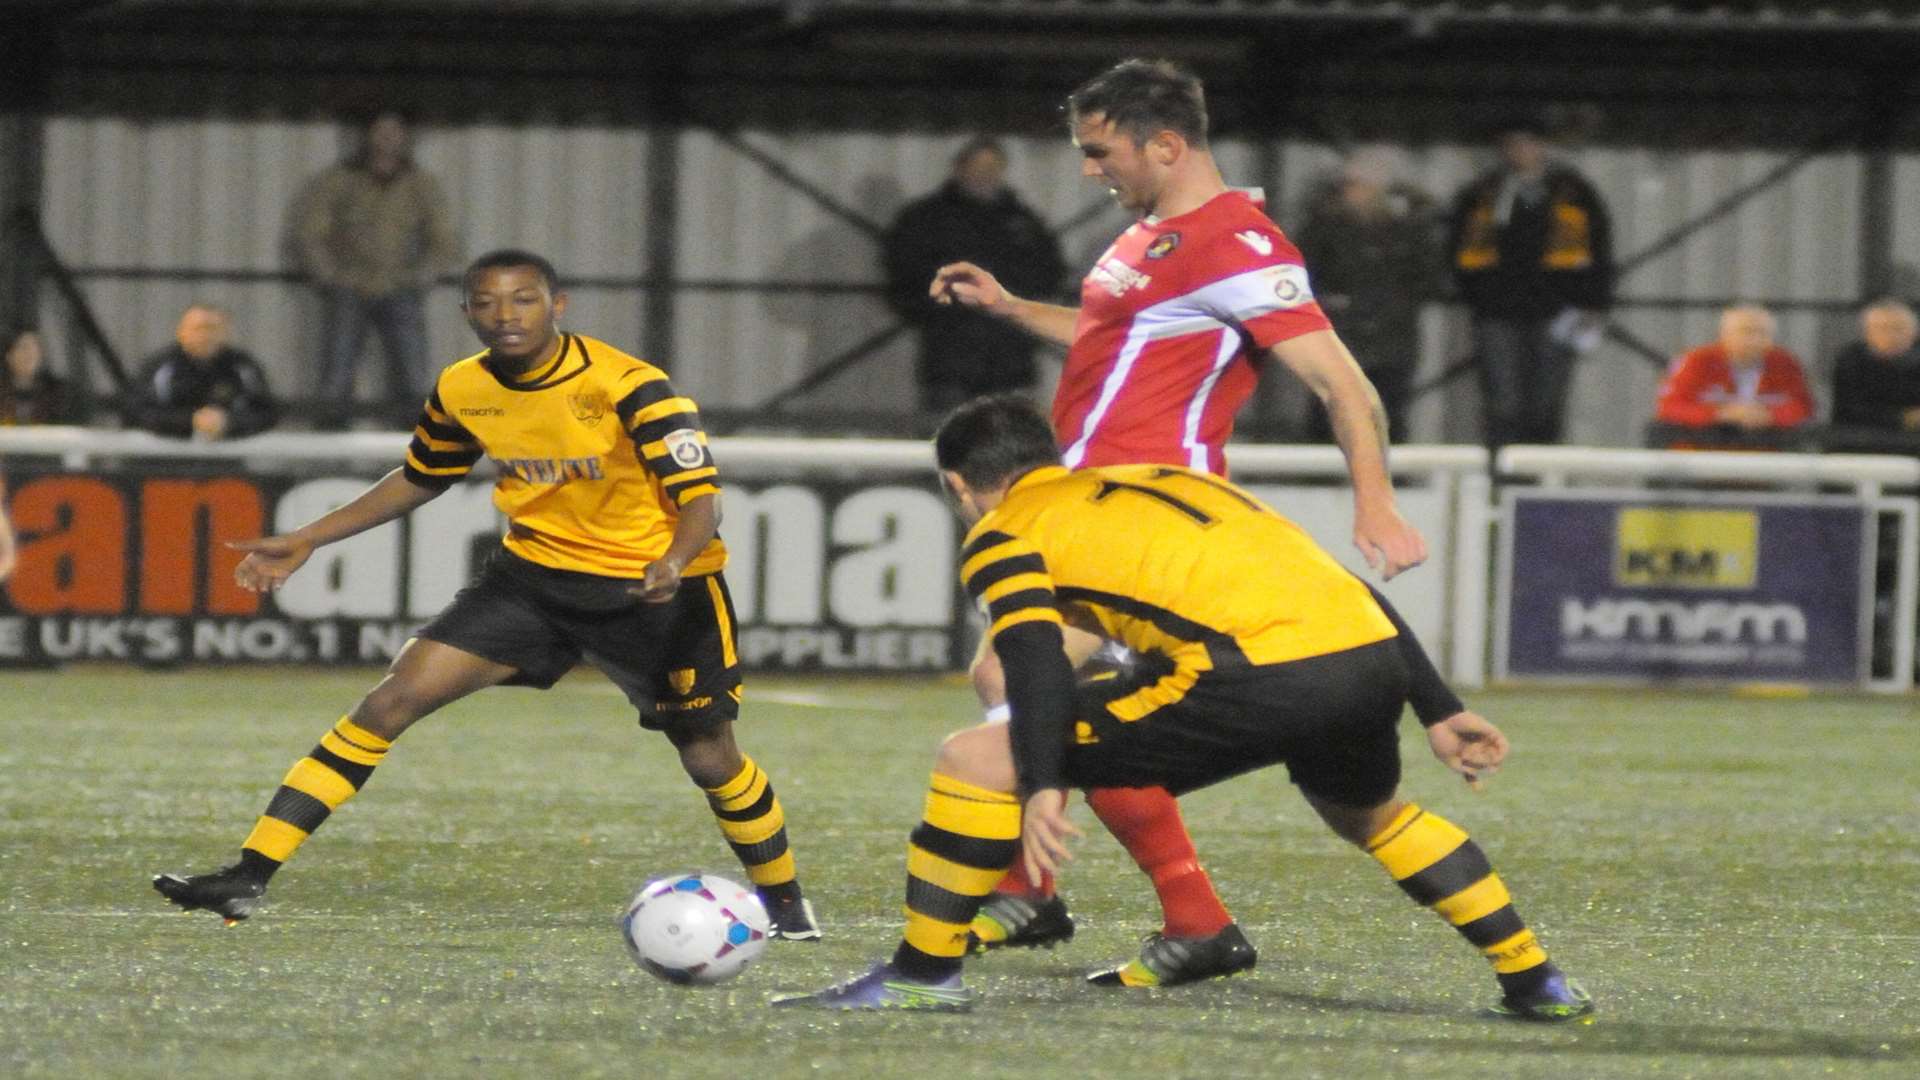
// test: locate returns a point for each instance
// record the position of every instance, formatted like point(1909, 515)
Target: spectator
point(1369, 242)
point(1876, 380)
point(29, 393)
point(1532, 254)
point(8, 553)
point(200, 387)
point(973, 217)
point(1742, 383)
point(372, 233)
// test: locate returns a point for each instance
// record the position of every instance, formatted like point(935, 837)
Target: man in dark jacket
point(200, 387)
point(1370, 240)
point(1876, 380)
point(973, 217)
point(1532, 252)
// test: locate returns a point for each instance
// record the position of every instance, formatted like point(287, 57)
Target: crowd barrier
point(843, 551)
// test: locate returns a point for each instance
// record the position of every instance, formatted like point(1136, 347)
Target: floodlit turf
point(1735, 880)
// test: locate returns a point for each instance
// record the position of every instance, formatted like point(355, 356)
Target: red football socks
point(1147, 823)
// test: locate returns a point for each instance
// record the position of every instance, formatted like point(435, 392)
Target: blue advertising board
point(1627, 585)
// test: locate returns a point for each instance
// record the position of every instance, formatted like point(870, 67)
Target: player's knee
point(1357, 825)
point(390, 708)
point(709, 755)
point(979, 755)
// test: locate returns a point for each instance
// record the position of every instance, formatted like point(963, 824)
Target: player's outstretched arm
point(1470, 745)
point(272, 559)
point(699, 523)
point(971, 286)
point(1388, 541)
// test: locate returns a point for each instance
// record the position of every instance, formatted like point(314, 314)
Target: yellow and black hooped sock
point(1435, 862)
point(313, 789)
point(754, 825)
point(957, 854)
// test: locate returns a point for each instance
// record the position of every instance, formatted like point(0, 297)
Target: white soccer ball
point(695, 928)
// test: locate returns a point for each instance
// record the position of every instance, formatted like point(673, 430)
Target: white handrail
point(77, 446)
point(1555, 466)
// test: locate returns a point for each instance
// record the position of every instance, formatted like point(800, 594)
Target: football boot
point(1167, 961)
point(230, 893)
point(884, 988)
point(1006, 921)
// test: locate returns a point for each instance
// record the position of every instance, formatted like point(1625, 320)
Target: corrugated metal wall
point(214, 195)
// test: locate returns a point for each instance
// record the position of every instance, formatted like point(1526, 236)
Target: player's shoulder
point(1033, 494)
point(618, 369)
point(1231, 236)
point(467, 371)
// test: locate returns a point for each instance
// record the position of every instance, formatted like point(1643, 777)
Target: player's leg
point(1439, 866)
point(969, 834)
point(425, 675)
point(1346, 762)
point(680, 666)
point(751, 818)
point(1146, 821)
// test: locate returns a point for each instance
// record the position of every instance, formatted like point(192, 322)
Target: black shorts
point(677, 662)
point(1331, 718)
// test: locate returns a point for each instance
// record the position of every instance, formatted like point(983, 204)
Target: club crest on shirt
point(1290, 285)
point(1164, 246)
point(684, 447)
point(589, 406)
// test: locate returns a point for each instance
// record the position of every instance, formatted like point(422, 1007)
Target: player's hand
point(270, 561)
point(1044, 831)
point(968, 285)
point(659, 583)
point(1470, 745)
point(1387, 541)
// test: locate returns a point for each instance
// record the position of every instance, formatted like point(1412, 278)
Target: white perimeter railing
point(1455, 496)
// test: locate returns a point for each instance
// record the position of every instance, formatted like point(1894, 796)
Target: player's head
point(1746, 333)
point(513, 303)
point(1134, 124)
point(987, 444)
point(202, 331)
point(1889, 327)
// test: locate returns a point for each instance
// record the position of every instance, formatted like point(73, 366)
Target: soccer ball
point(695, 928)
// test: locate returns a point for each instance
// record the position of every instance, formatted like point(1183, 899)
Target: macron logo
point(1255, 241)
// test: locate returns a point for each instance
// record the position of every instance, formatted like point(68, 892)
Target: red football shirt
point(1171, 319)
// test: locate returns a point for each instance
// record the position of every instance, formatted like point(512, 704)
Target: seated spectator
point(1876, 380)
point(29, 393)
point(200, 387)
point(1743, 384)
point(7, 556)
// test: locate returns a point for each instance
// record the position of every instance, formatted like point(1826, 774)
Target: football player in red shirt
point(1174, 321)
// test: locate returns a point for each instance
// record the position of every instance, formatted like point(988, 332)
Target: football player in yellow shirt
point(1257, 649)
point(611, 554)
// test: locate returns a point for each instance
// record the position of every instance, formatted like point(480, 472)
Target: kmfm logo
point(1687, 549)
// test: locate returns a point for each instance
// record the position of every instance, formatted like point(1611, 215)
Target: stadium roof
point(1760, 15)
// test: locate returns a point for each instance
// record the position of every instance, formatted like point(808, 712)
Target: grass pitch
point(1735, 880)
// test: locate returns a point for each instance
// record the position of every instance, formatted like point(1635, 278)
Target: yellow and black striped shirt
point(1167, 560)
point(596, 454)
